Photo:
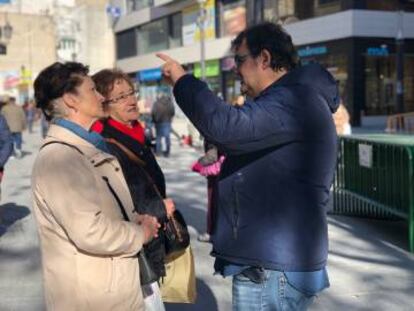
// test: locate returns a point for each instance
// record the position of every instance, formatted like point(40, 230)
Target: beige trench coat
point(88, 250)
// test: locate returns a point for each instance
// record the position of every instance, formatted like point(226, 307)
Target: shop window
point(175, 30)
point(390, 5)
point(161, 34)
point(409, 83)
point(153, 37)
point(233, 17)
point(136, 5)
point(325, 7)
point(380, 77)
point(126, 44)
point(324, 2)
point(269, 10)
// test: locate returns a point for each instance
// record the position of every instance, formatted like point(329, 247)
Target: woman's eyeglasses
point(121, 98)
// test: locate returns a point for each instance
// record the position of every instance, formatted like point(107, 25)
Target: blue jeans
point(163, 132)
point(17, 140)
point(273, 294)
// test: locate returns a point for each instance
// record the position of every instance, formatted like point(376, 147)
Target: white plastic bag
point(152, 297)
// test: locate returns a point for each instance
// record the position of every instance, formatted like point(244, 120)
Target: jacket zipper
point(236, 214)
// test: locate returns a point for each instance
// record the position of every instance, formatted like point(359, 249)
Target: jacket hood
point(317, 77)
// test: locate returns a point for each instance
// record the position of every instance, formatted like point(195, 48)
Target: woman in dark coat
point(125, 138)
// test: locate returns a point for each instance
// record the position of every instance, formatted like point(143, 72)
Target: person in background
point(270, 228)
point(342, 120)
point(145, 180)
point(162, 114)
point(6, 146)
point(16, 120)
point(44, 126)
point(31, 113)
point(81, 202)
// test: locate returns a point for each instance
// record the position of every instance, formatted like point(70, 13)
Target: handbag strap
point(133, 157)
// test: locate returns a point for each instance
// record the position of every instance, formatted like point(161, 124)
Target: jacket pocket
point(95, 274)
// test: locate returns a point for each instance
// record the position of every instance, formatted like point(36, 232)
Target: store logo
point(310, 51)
point(378, 51)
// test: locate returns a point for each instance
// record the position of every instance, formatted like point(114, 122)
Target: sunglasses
point(122, 97)
point(240, 59)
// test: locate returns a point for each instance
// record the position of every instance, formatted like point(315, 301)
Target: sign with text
point(365, 155)
point(212, 69)
point(191, 29)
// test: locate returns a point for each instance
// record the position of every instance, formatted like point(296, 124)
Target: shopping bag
point(179, 284)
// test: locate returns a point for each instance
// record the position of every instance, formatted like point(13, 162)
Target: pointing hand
point(171, 70)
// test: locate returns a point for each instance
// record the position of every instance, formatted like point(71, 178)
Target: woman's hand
point(169, 207)
point(150, 225)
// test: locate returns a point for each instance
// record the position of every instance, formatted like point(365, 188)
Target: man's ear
point(266, 59)
point(70, 100)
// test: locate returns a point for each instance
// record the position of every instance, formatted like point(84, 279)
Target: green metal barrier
point(374, 178)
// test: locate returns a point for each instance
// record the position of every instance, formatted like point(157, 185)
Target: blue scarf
point(91, 137)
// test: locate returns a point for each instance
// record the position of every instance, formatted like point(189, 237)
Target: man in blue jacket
point(270, 227)
point(6, 146)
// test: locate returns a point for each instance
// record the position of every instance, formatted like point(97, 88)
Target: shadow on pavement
point(205, 300)
point(380, 233)
point(25, 153)
point(9, 214)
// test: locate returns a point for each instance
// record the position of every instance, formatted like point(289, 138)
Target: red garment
point(136, 131)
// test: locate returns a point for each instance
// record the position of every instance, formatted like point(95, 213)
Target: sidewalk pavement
point(369, 265)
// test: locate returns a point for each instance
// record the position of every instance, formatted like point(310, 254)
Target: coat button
point(116, 169)
point(93, 161)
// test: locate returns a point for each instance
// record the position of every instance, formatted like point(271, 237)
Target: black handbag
point(177, 237)
point(146, 273)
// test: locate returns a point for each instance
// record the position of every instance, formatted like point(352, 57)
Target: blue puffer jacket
point(274, 184)
point(6, 144)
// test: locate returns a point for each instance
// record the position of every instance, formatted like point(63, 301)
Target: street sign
point(113, 11)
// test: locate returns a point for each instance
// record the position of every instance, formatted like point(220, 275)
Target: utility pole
point(201, 24)
point(399, 44)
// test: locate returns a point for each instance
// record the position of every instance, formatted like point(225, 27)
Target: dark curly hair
point(273, 38)
point(56, 80)
point(106, 78)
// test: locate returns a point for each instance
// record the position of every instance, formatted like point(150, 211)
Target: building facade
point(367, 45)
point(46, 31)
point(25, 54)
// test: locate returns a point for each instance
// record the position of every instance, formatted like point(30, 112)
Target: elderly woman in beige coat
point(81, 203)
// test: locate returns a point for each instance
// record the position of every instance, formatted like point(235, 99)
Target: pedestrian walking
point(81, 202)
point(270, 231)
point(125, 135)
point(31, 113)
point(6, 147)
point(162, 115)
point(16, 120)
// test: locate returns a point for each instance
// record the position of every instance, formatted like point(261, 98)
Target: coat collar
point(94, 155)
